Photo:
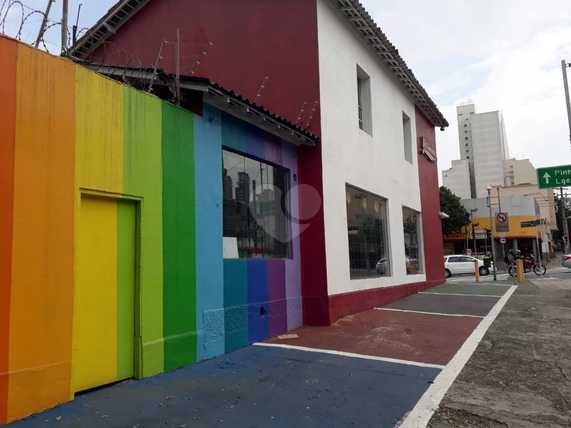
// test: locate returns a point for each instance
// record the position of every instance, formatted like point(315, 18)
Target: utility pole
point(492, 233)
point(563, 216)
point(44, 23)
point(64, 14)
point(564, 66)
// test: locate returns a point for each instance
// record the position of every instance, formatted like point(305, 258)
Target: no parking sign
point(502, 222)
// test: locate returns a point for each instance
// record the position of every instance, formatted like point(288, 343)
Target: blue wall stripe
point(236, 303)
point(209, 257)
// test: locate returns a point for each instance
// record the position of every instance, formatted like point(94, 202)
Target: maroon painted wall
point(266, 51)
point(430, 202)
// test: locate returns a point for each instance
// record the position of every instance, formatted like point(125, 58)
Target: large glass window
point(368, 239)
point(256, 208)
point(412, 241)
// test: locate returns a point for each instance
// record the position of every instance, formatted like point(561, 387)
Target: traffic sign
point(503, 240)
point(555, 176)
point(502, 222)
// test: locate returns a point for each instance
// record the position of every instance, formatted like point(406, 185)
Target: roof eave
point(218, 97)
point(376, 40)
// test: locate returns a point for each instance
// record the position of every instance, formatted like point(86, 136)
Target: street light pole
point(492, 233)
point(564, 66)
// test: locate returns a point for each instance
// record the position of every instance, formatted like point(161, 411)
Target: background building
point(483, 145)
point(457, 178)
point(519, 171)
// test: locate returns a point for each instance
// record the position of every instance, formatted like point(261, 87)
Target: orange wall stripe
point(8, 58)
point(42, 251)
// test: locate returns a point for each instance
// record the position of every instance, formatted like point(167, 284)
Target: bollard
point(477, 270)
point(520, 275)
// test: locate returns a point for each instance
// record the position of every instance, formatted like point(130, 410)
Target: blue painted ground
point(253, 387)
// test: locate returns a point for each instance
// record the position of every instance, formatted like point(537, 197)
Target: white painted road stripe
point(428, 313)
point(459, 294)
point(351, 355)
point(429, 402)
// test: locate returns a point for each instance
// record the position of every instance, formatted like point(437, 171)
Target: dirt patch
point(448, 418)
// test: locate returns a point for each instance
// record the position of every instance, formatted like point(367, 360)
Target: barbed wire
point(18, 24)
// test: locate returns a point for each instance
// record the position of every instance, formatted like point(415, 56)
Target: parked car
point(458, 264)
point(566, 261)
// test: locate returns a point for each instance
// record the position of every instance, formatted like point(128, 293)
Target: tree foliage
point(458, 216)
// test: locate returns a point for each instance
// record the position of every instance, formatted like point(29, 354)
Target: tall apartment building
point(483, 146)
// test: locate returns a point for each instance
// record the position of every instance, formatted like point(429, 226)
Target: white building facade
point(355, 146)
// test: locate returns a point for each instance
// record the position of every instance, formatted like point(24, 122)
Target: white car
point(458, 264)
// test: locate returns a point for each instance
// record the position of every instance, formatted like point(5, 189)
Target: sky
point(498, 54)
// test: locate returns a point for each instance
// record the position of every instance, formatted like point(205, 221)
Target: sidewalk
point(520, 375)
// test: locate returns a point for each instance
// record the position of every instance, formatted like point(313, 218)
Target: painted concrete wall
point(374, 163)
point(430, 202)
point(241, 40)
point(69, 133)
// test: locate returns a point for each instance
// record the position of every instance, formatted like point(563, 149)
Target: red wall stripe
point(8, 60)
point(430, 202)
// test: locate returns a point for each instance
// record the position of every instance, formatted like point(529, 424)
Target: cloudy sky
point(499, 54)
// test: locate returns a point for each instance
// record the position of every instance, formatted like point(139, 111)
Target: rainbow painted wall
point(111, 262)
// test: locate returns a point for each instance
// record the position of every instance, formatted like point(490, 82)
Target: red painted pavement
point(432, 339)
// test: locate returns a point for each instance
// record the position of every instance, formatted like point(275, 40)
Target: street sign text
point(555, 176)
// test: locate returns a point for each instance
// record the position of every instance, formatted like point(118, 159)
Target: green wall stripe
point(179, 238)
point(126, 260)
point(143, 178)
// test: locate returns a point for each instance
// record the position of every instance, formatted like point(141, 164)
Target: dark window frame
point(284, 208)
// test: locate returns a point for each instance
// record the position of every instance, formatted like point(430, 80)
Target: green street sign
point(555, 176)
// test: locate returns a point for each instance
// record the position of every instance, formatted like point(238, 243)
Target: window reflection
point(255, 208)
point(367, 229)
point(412, 241)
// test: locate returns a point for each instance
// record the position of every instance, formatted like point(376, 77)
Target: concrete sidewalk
point(520, 375)
point(376, 368)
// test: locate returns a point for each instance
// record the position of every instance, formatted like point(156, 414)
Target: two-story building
point(325, 64)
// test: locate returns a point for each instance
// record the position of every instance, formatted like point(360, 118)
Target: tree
point(458, 217)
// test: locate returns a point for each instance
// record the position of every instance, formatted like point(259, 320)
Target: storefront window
point(256, 208)
point(412, 241)
point(368, 239)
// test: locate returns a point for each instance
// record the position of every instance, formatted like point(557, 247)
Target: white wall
point(457, 179)
point(374, 163)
